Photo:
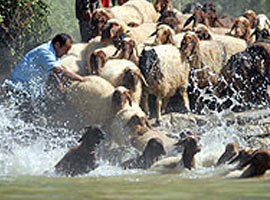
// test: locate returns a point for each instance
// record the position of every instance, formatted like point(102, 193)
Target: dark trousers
point(85, 31)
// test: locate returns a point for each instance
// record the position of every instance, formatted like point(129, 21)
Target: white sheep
point(97, 100)
point(262, 22)
point(123, 72)
point(131, 127)
point(75, 60)
point(164, 72)
point(133, 11)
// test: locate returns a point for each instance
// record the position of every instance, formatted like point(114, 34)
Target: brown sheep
point(81, 159)
point(251, 16)
point(163, 5)
point(153, 150)
point(258, 164)
point(190, 149)
point(231, 151)
point(241, 28)
point(197, 17)
point(131, 127)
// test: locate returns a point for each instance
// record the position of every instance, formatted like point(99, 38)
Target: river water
point(29, 149)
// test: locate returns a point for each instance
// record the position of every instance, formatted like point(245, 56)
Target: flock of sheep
point(139, 49)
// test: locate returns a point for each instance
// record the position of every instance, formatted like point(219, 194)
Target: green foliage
point(62, 18)
point(24, 24)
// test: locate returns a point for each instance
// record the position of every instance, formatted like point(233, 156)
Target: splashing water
point(33, 148)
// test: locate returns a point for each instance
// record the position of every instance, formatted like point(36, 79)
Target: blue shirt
point(33, 70)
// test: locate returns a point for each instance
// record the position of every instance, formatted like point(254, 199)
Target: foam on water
point(33, 148)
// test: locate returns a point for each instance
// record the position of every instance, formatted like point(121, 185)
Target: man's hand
point(71, 75)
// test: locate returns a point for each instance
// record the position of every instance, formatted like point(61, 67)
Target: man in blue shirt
point(32, 72)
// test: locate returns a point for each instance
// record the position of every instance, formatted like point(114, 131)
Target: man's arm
point(71, 75)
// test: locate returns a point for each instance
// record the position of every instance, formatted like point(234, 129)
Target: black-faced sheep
point(241, 28)
point(164, 73)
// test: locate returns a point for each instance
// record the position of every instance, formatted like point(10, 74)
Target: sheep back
point(168, 75)
point(92, 99)
point(115, 70)
point(233, 45)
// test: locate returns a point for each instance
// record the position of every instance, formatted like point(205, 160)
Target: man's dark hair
point(62, 39)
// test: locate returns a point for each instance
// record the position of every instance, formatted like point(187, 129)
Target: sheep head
point(149, 64)
point(163, 5)
point(171, 22)
point(99, 19)
point(153, 150)
point(251, 16)
point(231, 151)
point(138, 125)
point(242, 27)
point(191, 148)
point(203, 32)
point(113, 30)
point(127, 47)
point(92, 137)
point(189, 45)
point(97, 61)
point(120, 97)
point(164, 35)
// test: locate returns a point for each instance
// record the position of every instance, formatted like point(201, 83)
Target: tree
point(23, 25)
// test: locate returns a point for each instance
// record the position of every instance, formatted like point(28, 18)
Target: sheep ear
point(114, 30)
point(135, 47)
point(147, 123)
point(128, 97)
point(195, 40)
point(170, 38)
point(154, 33)
point(115, 53)
point(142, 78)
point(133, 121)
